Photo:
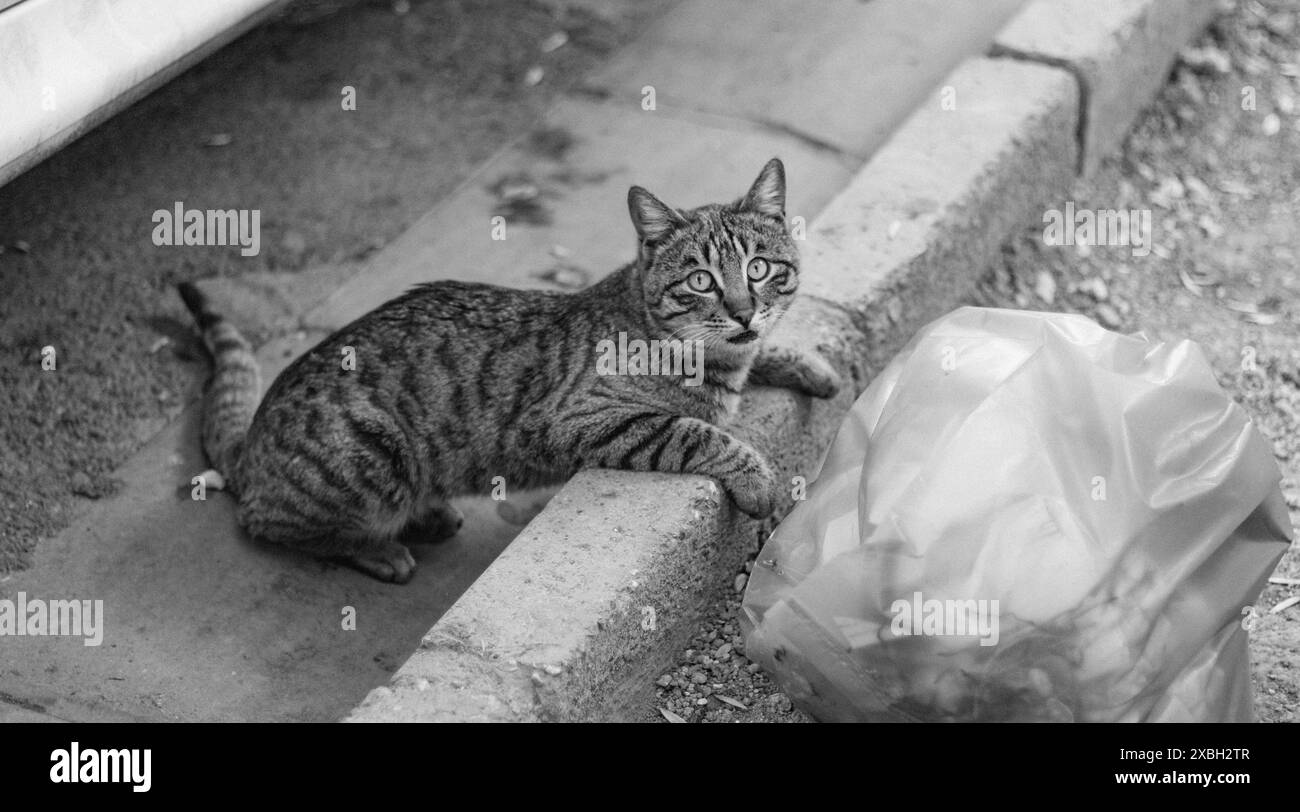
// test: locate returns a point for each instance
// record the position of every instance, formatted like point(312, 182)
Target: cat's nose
point(744, 316)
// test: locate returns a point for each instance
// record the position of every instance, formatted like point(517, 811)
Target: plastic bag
point(1026, 517)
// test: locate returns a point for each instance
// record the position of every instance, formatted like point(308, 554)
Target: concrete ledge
point(897, 248)
point(1120, 51)
point(558, 627)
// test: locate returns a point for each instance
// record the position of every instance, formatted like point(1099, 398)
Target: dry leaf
point(1284, 605)
point(1188, 282)
point(1240, 306)
point(1262, 319)
point(672, 717)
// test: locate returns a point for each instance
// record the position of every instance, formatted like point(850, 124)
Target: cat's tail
point(231, 395)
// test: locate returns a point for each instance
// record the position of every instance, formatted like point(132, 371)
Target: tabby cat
point(455, 383)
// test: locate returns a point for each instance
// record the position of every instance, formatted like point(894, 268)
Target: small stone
point(740, 582)
point(294, 243)
point(219, 140)
point(554, 42)
point(1045, 287)
point(22, 246)
point(1170, 189)
point(553, 670)
point(1108, 317)
point(1198, 190)
point(664, 681)
point(699, 678)
point(723, 652)
point(1095, 287)
point(534, 75)
point(81, 484)
point(1209, 59)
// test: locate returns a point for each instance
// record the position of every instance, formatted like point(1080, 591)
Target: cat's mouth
point(743, 338)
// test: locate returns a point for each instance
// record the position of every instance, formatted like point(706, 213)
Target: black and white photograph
point(650, 361)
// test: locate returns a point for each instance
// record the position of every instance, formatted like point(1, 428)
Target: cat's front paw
point(753, 487)
point(817, 378)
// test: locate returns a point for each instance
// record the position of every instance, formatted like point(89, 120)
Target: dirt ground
point(259, 125)
point(1223, 185)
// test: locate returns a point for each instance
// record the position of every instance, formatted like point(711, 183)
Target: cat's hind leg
point(368, 546)
point(386, 560)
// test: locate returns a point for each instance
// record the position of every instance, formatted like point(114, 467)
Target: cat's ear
point(767, 195)
point(653, 219)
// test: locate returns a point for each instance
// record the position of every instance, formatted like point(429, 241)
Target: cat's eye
point(700, 281)
point(758, 269)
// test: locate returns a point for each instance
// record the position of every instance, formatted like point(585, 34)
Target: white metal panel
point(66, 65)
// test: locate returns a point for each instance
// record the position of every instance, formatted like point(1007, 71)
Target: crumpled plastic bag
point(1026, 517)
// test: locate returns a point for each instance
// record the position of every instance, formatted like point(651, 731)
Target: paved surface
point(202, 624)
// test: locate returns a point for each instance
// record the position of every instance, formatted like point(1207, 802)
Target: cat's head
point(721, 274)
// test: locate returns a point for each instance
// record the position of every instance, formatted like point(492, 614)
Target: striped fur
point(457, 383)
point(231, 395)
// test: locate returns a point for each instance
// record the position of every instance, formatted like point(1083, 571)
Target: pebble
point(1096, 288)
point(554, 42)
point(699, 678)
point(1211, 58)
point(740, 582)
point(1045, 287)
point(664, 681)
point(1108, 316)
point(295, 244)
point(81, 484)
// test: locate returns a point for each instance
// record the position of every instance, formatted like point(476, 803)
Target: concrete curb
point(603, 588)
point(1120, 52)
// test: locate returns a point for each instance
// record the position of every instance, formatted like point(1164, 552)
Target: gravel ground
point(259, 125)
point(1223, 185)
